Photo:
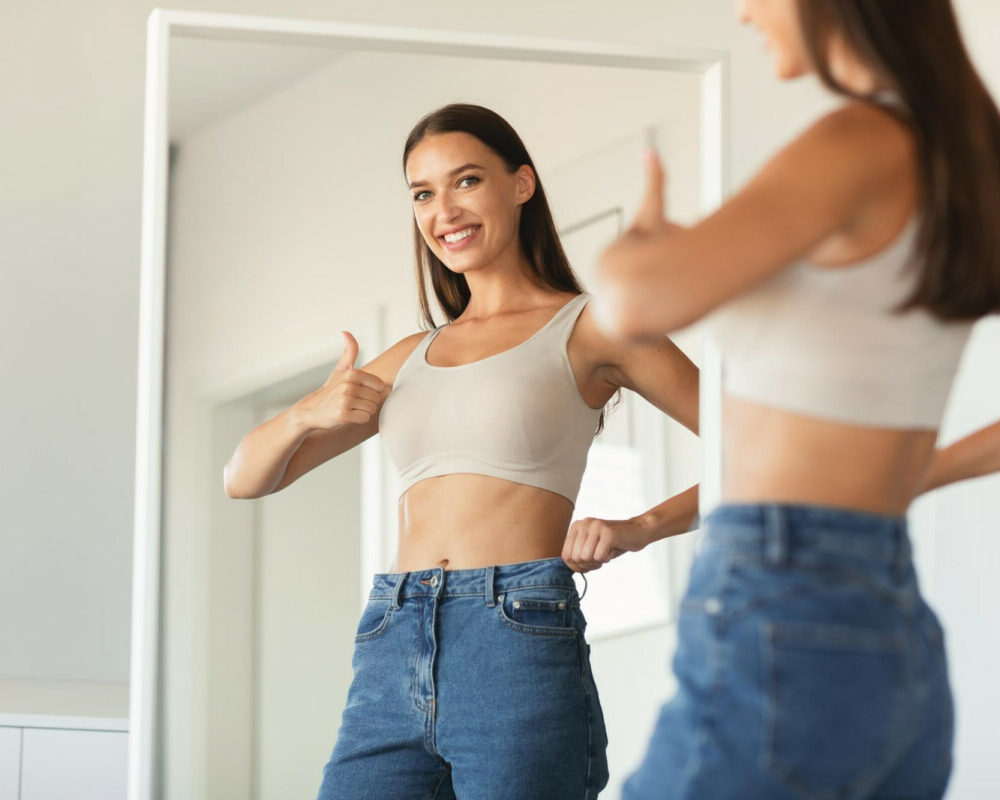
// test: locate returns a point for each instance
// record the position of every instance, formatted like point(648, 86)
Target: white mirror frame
point(711, 65)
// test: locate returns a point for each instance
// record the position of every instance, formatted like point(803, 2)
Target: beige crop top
point(823, 341)
point(516, 415)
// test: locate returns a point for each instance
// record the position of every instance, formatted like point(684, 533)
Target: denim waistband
point(486, 582)
point(778, 529)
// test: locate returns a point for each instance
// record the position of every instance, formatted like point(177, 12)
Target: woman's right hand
point(348, 395)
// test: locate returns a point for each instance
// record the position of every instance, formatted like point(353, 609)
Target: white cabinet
point(62, 758)
point(10, 763)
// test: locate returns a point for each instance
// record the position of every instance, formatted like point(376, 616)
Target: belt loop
point(776, 541)
point(398, 590)
point(488, 589)
point(903, 550)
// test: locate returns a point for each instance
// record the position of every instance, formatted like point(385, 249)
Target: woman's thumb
point(349, 356)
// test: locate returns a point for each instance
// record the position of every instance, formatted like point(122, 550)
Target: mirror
point(287, 220)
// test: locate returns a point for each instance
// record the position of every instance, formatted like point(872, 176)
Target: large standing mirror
point(275, 216)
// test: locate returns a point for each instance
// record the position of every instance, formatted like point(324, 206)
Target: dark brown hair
point(537, 233)
point(916, 46)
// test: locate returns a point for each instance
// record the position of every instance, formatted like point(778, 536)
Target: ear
point(525, 182)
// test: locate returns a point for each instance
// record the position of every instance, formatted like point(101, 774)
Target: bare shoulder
point(387, 364)
point(863, 134)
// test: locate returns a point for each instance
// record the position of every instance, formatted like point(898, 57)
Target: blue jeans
point(471, 683)
point(808, 665)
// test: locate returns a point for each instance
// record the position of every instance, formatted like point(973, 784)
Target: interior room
point(221, 224)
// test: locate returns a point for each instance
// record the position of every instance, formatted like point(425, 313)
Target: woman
point(472, 674)
point(843, 281)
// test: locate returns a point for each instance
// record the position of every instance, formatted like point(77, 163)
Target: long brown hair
point(917, 47)
point(537, 233)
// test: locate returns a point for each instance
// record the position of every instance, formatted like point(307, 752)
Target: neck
point(506, 284)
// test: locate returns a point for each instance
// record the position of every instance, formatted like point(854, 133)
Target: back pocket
point(835, 700)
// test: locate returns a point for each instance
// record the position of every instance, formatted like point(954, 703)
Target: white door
point(10, 763)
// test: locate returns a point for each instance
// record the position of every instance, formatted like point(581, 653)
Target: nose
point(448, 208)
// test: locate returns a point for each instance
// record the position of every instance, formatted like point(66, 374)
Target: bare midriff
point(772, 455)
point(467, 521)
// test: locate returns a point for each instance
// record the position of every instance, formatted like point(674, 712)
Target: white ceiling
point(212, 78)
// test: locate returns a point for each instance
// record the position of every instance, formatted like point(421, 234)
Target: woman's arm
point(973, 456)
point(591, 542)
point(660, 372)
point(654, 280)
point(337, 416)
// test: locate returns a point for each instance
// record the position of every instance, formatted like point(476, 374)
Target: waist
point(776, 455)
point(486, 581)
point(466, 520)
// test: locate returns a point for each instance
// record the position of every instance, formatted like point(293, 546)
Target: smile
point(459, 238)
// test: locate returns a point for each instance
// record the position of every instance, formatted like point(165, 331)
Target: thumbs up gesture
point(621, 278)
point(348, 395)
point(651, 216)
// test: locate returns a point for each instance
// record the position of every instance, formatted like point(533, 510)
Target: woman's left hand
point(591, 543)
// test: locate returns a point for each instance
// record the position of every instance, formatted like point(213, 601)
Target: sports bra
point(824, 341)
point(516, 415)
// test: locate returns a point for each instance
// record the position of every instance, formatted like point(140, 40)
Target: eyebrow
point(455, 171)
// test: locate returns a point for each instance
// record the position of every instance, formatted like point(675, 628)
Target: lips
point(459, 237)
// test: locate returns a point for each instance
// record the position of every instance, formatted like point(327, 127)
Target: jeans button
point(434, 580)
point(713, 606)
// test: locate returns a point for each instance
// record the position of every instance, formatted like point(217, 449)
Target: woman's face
point(778, 21)
point(466, 204)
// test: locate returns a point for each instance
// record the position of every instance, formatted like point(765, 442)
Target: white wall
point(70, 164)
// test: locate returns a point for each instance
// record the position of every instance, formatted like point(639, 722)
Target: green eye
point(472, 178)
point(419, 195)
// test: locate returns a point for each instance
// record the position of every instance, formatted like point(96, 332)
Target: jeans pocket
point(544, 610)
point(835, 700)
point(374, 619)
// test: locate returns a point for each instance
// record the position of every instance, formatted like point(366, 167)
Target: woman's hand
point(650, 222)
point(348, 395)
point(591, 543)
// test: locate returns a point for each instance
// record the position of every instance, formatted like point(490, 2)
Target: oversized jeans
point(808, 666)
point(474, 684)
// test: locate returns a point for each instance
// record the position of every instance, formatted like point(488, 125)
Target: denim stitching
point(438, 783)
point(590, 720)
point(534, 630)
point(771, 632)
point(446, 593)
point(814, 542)
point(850, 577)
point(377, 630)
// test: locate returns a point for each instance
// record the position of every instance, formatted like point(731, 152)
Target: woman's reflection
point(471, 670)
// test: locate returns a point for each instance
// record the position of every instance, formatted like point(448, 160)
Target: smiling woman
point(506, 428)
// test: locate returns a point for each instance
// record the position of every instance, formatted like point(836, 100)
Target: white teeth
point(451, 238)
